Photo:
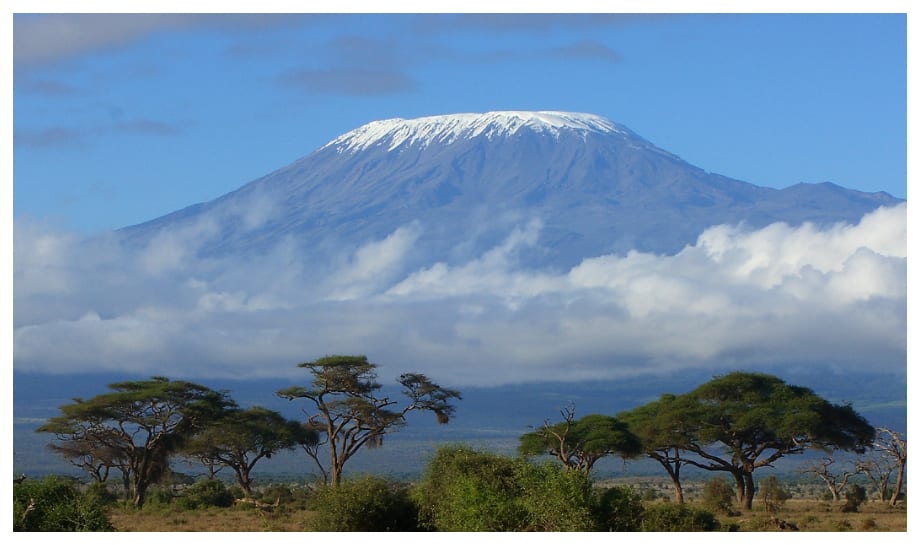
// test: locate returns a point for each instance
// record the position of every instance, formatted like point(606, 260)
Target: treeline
point(733, 425)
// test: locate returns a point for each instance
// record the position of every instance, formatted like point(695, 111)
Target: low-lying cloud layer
point(776, 297)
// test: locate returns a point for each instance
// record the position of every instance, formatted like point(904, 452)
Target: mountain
point(464, 181)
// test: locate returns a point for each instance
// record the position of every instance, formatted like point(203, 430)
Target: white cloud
point(755, 299)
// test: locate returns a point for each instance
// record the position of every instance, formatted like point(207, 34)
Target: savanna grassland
point(805, 515)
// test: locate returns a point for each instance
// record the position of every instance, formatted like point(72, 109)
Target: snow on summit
point(445, 129)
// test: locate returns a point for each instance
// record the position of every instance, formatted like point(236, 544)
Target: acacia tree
point(835, 482)
point(888, 456)
point(664, 427)
point(579, 444)
point(350, 413)
point(240, 438)
point(892, 446)
point(139, 423)
point(749, 420)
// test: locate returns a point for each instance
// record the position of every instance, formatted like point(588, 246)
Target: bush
point(678, 518)
point(467, 491)
point(366, 504)
point(855, 495)
point(619, 509)
point(555, 499)
point(206, 493)
point(158, 497)
point(100, 493)
point(718, 495)
point(773, 494)
point(54, 504)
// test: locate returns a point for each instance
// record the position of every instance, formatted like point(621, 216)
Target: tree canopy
point(740, 422)
point(579, 444)
point(665, 428)
point(242, 437)
point(136, 427)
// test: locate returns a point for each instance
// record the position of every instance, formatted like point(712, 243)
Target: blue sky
point(120, 119)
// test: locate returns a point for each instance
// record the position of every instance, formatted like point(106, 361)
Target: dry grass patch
point(214, 519)
point(816, 516)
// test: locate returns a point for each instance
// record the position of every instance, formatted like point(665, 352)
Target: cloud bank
point(765, 299)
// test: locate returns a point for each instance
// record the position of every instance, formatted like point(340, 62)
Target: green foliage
point(555, 500)
point(579, 444)
point(773, 494)
point(366, 504)
point(718, 495)
point(678, 518)
point(135, 427)
point(159, 497)
point(206, 493)
point(100, 493)
point(466, 491)
point(54, 504)
point(741, 422)
point(240, 438)
point(619, 509)
point(276, 493)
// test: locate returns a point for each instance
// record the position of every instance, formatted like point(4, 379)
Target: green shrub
point(555, 499)
point(206, 493)
point(54, 504)
point(467, 491)
point(678, 518)
point(718, 495)
point(158, 497)
point(100, 493)
point(366, 504)
point(619, 509)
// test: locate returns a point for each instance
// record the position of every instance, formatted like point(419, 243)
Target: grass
point(213, 519)
point(806, 515)
point(820, 516)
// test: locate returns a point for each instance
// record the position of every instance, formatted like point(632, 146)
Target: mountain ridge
point(595, 186)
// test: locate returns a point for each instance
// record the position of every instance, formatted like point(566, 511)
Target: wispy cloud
point(586, 50)
point(47, 88)
point(349, 81)
point(774, 297)
point(79, 137)
point(43, 39)
point(525, 22)
point(49, 137)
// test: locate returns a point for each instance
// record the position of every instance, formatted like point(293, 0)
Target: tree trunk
point(739, 488)
point(897, 485)
point(748, 490)
point(242, 476)
point(140, 494)
point(678, 491)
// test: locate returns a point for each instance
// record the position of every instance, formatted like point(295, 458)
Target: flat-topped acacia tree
point(664, 428)
point(740, 422)
point(242, 437)
point(349, 412)
point(137, 426)
point(580, 443)
point(746, 421)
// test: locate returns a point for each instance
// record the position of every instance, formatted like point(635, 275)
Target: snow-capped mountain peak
point(445, 129)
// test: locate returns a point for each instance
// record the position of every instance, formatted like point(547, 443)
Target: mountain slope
point(466, 180)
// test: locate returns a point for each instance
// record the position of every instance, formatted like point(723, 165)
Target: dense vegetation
point(732, 425)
